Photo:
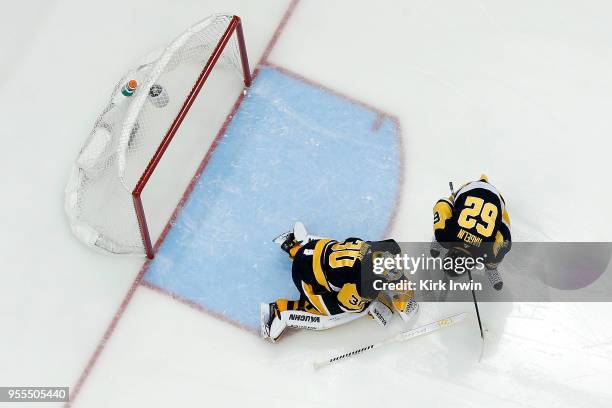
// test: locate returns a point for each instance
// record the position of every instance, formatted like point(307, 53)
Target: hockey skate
point(435, 249)
point(495, 278)
point(299, 235)
point(283, 237)
point(286, 240)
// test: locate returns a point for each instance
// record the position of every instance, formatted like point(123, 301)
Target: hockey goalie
point(335, 280)
point(473, 222)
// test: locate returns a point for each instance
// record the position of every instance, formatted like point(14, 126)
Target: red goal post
point(235, 25)
point(103, 197)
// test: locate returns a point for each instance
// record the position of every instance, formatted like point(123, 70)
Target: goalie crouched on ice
point(336, 284)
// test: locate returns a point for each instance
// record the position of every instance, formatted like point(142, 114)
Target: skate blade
point(281, 238)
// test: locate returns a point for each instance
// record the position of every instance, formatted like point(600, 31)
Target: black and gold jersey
point(335, 276)
point(337, 267)
point(475, 216)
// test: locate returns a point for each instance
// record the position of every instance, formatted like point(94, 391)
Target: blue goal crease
point(292, 151)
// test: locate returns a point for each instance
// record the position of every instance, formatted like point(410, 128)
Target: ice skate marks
point(293, 151)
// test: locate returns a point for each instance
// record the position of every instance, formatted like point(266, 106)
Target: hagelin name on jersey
point(304, 318)
point(469, 238)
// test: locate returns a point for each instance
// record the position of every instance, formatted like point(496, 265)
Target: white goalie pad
point(380, 312)
point(301, 234)
point(298, 319)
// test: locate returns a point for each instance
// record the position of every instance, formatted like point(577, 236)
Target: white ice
point(520, 90)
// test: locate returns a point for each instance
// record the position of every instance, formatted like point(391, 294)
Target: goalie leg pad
point(272, 326)
point(299, 319)
point(299, 230)
point(278, 316)
point(380, 312)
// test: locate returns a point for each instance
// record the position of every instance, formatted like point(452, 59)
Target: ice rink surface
point(521, 91)
point(249, 191)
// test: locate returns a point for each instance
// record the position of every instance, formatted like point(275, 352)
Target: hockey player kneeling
point(336, 284)
point(473, 222)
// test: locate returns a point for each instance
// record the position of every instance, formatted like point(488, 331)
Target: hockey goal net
point(104, 194)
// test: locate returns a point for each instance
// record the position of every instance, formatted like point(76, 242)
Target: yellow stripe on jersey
point(499, 241)
point(293, 251)
point(349, 298)
point(442, 212)
point(317, 261)
point(506, 217)
point(315, 300)
point(284, 305)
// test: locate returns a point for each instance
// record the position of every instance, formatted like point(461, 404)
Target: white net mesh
point(128, 132)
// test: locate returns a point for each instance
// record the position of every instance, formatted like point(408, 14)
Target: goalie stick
point(407, 335)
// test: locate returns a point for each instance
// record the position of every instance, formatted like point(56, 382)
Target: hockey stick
point(407, 335)
point(476, 306)
point(452, 189)
point(482, 331)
